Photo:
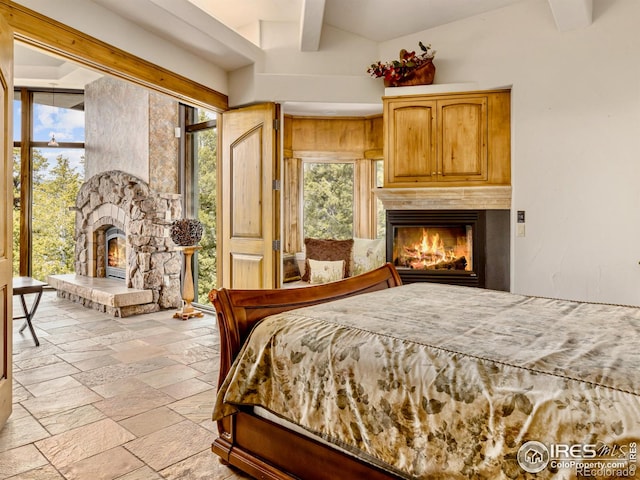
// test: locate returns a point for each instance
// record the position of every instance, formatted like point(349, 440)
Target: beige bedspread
point(436, 381)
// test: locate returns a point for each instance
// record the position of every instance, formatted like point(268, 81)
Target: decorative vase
point(186, 232)
point(423, 75)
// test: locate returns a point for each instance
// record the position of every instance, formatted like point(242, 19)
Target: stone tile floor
point(112, 398)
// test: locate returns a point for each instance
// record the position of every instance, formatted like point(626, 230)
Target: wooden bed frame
point(257, 446)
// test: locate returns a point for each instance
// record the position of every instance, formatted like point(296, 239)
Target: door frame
point(6, 224)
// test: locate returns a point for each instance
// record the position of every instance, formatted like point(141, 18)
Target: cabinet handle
point(433, 173)
point(439, 173)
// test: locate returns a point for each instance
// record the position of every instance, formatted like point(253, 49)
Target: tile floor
point(112, 398)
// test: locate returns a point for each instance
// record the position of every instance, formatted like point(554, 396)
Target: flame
point(117, 253)
point(431, 251)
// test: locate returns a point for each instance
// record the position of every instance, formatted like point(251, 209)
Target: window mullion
point(26, 182)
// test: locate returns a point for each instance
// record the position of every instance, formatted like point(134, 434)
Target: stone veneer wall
point(116, 198)
point(132, 129)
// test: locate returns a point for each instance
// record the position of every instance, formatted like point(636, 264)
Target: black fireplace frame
point(441, 218)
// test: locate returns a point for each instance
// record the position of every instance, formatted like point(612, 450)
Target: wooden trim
point(43, 32)
point(328, 156)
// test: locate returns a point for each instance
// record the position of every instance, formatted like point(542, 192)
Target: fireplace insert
point(443, 246)
point(116, 253)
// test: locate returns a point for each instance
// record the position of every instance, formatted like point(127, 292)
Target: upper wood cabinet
point(447, 140)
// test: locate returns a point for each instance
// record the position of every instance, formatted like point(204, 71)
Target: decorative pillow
point(325, 271)
point(290, 269)
point(328, 250)
point(368, 254)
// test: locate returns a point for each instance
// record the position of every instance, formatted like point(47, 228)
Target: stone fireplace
point(117, 201)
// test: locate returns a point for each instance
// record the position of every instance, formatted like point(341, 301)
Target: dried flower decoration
point(186, 232)
point(396, 70)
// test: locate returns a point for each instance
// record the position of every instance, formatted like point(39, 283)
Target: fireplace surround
point(481, 215)
point(472, 246)
point(140, 218)
point(458, 247)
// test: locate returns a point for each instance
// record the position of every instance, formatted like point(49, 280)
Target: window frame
point(26, 144)
point(310, 160)
point(189, 175)
point(364, 181)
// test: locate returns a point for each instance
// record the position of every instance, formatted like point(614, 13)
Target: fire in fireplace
point(116, 253)
point(434, 248)
point(444, 246)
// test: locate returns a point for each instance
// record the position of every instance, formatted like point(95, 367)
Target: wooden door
point(249, 203)
point(462, 128)
point(6, 208)
point(410, 148)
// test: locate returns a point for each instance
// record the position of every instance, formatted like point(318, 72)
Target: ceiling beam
point(311, 25)
point(572, 14)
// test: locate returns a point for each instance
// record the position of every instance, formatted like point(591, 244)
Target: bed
point(368, 378)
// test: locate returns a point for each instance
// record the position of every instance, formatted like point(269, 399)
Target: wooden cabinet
point(447, 140)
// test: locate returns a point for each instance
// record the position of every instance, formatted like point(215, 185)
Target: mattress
point(436, 381)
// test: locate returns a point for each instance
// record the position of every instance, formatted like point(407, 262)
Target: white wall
point(575, 139)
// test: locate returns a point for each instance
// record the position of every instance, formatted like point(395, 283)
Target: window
point(47, 177)
point(328, 199)
point(200, 185)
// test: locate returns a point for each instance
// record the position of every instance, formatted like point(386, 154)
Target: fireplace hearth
point(458, 247)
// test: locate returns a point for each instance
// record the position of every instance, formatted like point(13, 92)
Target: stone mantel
point(446, 198)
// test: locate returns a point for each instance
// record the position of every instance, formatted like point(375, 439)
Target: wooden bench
point(23, 286)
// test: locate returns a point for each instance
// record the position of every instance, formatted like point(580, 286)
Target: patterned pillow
point(328, 250)
point(325, 271)
point(368, 254)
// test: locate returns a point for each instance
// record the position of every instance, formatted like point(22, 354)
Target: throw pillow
point(368, 254)
point(325, 271)
point(328, 250)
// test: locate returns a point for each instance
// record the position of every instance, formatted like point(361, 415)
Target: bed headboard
point(239, 310)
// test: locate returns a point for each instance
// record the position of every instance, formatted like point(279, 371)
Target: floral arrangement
point(186, 232)
point(404, 66)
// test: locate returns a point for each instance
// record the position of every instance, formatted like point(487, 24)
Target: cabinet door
point(462, 130)
point(410, 142)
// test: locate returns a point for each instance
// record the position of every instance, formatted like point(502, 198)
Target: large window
point(48, 171)
point(328, 199)
point(201, 142)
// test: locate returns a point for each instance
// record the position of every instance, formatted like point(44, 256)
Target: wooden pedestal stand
point(187, 310)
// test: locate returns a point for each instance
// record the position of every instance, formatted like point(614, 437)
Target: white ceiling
point(376, 20)
point(217, 35)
